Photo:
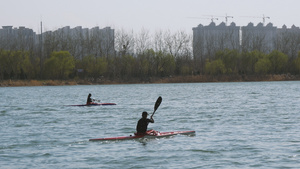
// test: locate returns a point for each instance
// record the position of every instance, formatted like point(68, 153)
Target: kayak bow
point(149, 134)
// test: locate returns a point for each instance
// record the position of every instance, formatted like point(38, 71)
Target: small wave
point(21, 125)
point(51, 122)
point(46, 154)
point(204, 151)
point(3, 112)
point(295, 141)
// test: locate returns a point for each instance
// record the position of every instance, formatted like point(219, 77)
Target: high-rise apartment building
point(78, 41)
point(207, 40)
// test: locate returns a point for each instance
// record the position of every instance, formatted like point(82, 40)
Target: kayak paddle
point(157, 103)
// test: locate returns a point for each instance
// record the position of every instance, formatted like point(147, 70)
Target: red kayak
point(95, 104)
point(148, 134)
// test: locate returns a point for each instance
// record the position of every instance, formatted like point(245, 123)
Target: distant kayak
point(149, 134)
point(95, 104)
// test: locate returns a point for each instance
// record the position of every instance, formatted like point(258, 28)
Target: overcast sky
point(152, 15)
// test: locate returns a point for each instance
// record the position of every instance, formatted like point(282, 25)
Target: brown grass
point(20, 83)
point(7, 83)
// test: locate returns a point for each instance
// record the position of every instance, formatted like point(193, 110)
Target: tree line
point(137, 56)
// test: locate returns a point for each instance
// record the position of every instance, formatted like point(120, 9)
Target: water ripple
point(238, 125)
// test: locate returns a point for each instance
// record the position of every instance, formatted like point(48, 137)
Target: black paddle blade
point(157, 103)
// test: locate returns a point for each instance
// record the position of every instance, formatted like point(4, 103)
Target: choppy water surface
point(238, 125)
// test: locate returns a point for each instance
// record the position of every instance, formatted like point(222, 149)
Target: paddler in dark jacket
point(89, 99)
point(142, 124)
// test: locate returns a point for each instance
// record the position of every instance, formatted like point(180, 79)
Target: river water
point(238, 125)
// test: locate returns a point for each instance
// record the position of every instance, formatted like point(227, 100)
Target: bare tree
point(159, 42)
point(124, 42)
point(142, 41)
point(176, 42)
point(283, 40)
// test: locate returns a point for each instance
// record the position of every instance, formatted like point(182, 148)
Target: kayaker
point(89, 99)
point(142, 124)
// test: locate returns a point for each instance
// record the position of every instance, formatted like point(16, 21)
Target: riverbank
point(171, 79)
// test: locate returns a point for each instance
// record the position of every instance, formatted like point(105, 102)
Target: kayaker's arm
point(96, 100)
point(151, 119)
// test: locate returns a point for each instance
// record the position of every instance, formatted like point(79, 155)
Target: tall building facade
point(78, 41)
point(17, 38)
point(258, 37)
point(288, 40)
point(207, 40)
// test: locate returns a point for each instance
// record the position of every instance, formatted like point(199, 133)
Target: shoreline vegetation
point(170, 79)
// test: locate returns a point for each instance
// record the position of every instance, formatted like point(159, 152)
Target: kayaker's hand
point(151, 118)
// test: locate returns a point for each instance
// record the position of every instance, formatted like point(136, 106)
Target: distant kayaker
point(89, 99)
point(142, 124)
